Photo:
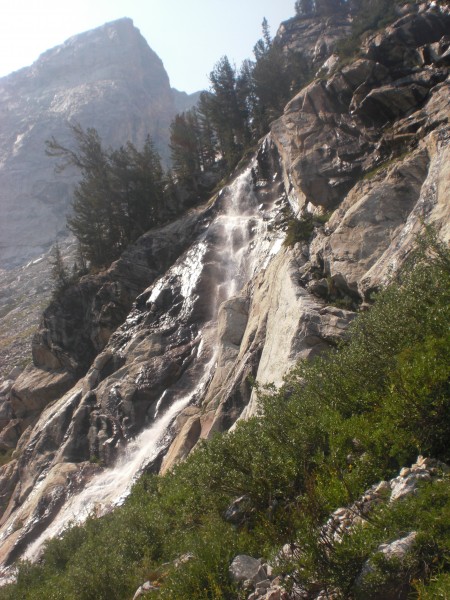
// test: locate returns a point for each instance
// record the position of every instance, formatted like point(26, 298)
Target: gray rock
point(14, 373)
point(315, 38)
point(144, 589)
point(262, 586)
point(398, 548)
point(245, 568)
point(408, 480)
point(5, 386)
point(238, 511)
point(271, 593)
point(398, 586)
point(183, 559)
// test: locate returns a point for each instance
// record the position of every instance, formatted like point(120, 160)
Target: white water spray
point(242, 245)
point(111, 487)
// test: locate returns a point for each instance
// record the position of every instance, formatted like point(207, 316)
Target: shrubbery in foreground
point(340, 424)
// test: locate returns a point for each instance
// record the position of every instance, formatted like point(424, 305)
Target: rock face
point(314, 37)
point(159, 351)
point(107, 78)
point(377, 171)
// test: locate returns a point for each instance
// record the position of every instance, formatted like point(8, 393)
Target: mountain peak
point(107, 78)
point(117, 46)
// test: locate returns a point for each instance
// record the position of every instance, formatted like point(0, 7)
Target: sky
point(189, 36)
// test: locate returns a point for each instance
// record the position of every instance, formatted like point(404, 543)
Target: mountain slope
point(107, 78)
point(351, 171)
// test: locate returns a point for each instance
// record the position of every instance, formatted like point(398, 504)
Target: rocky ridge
point(379, 167)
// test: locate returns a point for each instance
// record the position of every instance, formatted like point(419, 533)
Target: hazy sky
point(188, 35)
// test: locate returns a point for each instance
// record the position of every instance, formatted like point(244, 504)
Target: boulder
point(238, 511)
point(145, 589)
point(396, 587)
point(36, 388)
point(246, 568)
point(10, 434)
point(409, 479)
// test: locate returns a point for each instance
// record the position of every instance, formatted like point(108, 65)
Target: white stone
point(246, 567)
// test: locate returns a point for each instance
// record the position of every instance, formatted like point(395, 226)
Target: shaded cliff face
point(107, 78)
point(220, 299)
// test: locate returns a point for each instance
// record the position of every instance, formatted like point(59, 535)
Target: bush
point(299, 230)
point(338, 425)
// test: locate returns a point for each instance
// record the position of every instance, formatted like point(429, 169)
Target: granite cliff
point(158, 351)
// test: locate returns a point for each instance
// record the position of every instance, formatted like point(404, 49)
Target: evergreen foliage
point(367, 15)
point(339, 424)
point(237, 110)
point(227, 111)
point(192, 144)
point(122, 193)
point(60, 275)
point(299, 230)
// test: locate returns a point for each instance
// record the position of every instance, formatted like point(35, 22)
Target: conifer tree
point(227, 113)
point(185, 147)
point(120, 195)
point(59, 273)
point(275, 77)
point(94, 218)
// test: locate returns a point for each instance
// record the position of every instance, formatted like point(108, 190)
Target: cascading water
point(235, 245)
point(111, 487)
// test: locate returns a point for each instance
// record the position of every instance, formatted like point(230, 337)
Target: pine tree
point(275, 77)
point(304, 7)
point(120, 194)
point(148, 198)
point(59, 273)
point(185, 146)
point(208, 138)
point(94, 218)
point(227, 112)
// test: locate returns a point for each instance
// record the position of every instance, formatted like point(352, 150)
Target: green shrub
point(436, 588)
point(205, 575)
point(299, 230)
point(339, 424)
point(338, 566)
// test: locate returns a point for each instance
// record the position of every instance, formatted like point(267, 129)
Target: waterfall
point(112, 486)
point(235, 244)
